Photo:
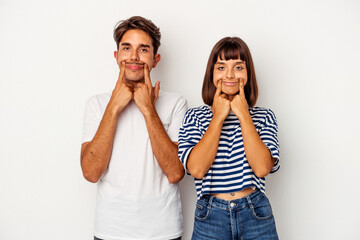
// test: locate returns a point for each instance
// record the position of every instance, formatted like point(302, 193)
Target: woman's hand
point(221, 104)
point(239, 104)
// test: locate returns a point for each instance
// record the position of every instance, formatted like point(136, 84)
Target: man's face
point(136, 49)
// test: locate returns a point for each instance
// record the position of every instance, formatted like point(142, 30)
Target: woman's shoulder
point(203, 109)
point(261, 114)
point(200, 112)
point(260, 111)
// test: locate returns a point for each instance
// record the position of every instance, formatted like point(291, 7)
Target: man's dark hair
point(140, 23)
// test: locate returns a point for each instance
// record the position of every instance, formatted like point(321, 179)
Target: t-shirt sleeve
point(176, 119)
point(189, 136)
point(92, 118)
point(268, 134)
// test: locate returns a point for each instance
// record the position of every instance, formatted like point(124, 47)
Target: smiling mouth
point(229, 83)
point(134, 66)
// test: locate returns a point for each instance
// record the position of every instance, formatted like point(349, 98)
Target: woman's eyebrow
point(239, 62)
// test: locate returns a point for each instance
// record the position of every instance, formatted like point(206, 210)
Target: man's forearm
point(95, 155)
point(164, 149)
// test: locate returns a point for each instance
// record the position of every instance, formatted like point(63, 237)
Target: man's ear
point(156, 60)
point(115, 55)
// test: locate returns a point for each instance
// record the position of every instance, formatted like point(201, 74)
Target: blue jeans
point(95, 238)
point(245, 218)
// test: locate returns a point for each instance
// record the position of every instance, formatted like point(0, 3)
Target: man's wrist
point(114, 109)
point(149, 111)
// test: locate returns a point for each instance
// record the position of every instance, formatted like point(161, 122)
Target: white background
point(56, 54)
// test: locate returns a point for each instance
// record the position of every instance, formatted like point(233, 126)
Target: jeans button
point(232, 204)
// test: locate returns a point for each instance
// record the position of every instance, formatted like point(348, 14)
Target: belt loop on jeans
point(210, 200)
point(249, 201)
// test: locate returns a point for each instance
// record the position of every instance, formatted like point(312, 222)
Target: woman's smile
point(230, 83)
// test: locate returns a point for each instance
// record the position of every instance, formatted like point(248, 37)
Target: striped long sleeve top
point(230, 171)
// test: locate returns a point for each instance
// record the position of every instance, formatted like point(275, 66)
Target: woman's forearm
point(257, 153)
point(203, 154)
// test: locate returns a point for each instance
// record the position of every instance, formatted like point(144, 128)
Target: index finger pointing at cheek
point(218, 88)
point(147, 75)
point(122, 71)
point(241, 85)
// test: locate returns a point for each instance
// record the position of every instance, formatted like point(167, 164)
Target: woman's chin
point(230, 93)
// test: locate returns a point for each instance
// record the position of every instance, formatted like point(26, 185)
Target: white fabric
point(134, 198)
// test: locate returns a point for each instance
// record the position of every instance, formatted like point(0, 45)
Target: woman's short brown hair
point(230, 48)
point(140, 23)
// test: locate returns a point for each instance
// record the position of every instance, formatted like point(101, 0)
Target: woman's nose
point(230, 73)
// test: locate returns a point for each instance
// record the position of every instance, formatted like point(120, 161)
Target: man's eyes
point(144, 50)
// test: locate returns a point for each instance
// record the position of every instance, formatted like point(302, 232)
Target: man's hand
point(145, 94)
point(122, 93)
point(239, 104)
point(221, 103)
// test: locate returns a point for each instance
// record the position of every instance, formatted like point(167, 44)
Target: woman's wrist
point(244, 118)
point(217, 121)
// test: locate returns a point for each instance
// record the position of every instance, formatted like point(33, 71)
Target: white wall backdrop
point(56, 54)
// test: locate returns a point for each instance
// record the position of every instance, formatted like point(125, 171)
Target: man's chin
point(134, 79)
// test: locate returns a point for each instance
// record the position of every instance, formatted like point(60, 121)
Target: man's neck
point(134, 83)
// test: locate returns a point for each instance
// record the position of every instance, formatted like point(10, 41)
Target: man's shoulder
point(99, 99)
point(170, 98)
point(100, 96)
point(169, 95)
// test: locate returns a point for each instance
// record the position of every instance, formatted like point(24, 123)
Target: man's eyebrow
point(144, 45)
point(128, 44)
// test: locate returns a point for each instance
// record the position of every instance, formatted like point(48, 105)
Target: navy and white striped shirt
point(230, 171)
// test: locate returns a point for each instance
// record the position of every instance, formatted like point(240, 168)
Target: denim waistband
point(246, 201)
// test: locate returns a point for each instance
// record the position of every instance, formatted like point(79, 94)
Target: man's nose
point(134, 56)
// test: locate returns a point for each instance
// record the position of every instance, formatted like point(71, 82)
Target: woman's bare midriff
point(234, 195)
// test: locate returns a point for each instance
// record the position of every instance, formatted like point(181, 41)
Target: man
point(130, 144)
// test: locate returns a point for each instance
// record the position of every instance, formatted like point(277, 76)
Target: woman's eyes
point(236, 68)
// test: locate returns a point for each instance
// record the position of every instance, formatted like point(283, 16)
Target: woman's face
point(230, 72)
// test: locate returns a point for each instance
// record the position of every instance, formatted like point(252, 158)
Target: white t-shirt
point(134, 197)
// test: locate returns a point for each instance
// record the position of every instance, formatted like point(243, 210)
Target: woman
point(229, 146)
